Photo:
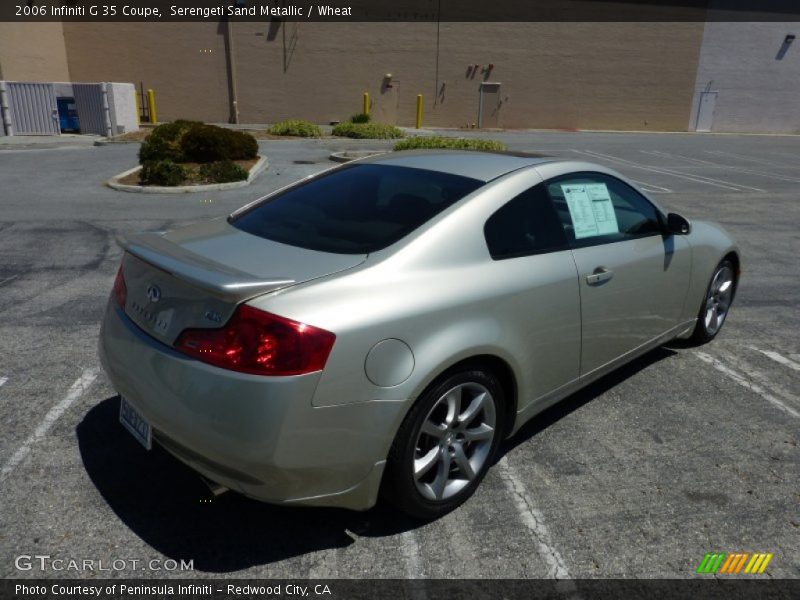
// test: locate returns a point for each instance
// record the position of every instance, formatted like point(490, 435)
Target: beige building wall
point(183, 62)
point(33, 52)
point(552, 75)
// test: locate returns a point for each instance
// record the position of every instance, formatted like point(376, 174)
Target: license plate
point(135, 423)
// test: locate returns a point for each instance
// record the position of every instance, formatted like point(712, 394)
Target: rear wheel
point(717, 303)
point(446, 444)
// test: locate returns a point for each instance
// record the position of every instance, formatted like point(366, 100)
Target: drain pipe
point(106, 110)
point(230, 48)
point(5, 113)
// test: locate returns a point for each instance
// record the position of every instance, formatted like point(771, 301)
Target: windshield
point(355, 210)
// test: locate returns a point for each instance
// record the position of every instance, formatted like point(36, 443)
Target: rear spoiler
point(214, 277)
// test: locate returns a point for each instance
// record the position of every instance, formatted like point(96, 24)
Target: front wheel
point(717, 303)
point(446, 444)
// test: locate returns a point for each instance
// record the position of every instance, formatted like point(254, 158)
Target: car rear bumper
point(260, 436)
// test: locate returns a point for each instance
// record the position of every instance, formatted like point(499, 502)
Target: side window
point(525, 225)
point(598, 209)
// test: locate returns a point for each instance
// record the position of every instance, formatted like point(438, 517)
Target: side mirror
point(678, 225)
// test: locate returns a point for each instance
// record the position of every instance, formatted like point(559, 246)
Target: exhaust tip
point(215, 488)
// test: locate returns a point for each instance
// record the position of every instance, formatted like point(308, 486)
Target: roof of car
point(483, 166)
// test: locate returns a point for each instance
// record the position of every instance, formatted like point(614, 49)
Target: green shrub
point(371, 131)
point(208, 143)
point(295, 127)
point(164, 142)
point(224, 171)
point(431, 142)
point(162, 172)
point(360, 118)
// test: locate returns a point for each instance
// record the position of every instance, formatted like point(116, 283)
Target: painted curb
point(113, 183)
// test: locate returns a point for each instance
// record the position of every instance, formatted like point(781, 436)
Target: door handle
point(600, 275)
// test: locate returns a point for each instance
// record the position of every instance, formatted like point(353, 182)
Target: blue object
point(68, 115)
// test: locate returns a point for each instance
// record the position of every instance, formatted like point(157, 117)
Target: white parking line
point(720, 183)
point(410, 549)
point(778, 358)
point(75, 391)
point(744, 382)
point(748, 158)
point(651, 187)
point(534, 521)
point(754, 375)
point(681, 156)
point(742, 169)
point(3, 381)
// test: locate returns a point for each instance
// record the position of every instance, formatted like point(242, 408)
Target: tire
point(716, 303)
point(446, 444)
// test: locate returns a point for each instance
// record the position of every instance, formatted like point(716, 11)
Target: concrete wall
point(122, 106)
point(552, 75)
point(756, 75)
point(33, 52)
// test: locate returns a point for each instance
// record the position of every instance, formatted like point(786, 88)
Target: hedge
point(296, 128)
point(192, 141)
point(435, 142)
point(371, 131)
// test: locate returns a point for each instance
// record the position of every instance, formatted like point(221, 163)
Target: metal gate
point(91, 100)
point(33, 109)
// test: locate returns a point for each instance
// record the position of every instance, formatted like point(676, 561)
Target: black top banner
point(399, 10)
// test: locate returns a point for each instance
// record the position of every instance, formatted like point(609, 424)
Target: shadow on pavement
point(166, 504)
point(572, 403)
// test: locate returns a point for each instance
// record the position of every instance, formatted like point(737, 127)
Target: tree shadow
point(167, 505)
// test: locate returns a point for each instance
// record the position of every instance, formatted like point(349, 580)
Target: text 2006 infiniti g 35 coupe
point(382, 326)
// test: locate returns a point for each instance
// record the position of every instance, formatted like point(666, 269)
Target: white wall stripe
point(75, 391)
point(744, 382)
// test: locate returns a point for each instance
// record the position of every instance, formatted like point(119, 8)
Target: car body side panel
point(643, 299)
point(446, 301)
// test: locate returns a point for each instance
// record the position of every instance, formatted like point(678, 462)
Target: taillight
point(120, 289)
point(257, 342)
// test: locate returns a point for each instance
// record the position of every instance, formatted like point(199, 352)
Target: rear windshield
point(355, 210)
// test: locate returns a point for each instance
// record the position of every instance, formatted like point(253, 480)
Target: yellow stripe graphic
point(757, 564)
point(751, 563)
point(767, 558)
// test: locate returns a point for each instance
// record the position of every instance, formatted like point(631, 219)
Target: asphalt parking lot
point(683, 452)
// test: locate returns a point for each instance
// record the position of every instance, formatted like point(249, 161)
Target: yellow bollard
point(138, 108)
point(419, 111)
point(151, 104)
point(366, 103)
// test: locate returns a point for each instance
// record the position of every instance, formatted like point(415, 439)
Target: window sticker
point(590, 209)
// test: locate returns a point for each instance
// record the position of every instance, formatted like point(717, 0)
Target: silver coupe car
point(379, 328)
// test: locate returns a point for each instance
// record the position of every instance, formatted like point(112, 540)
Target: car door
point(632, 276)
point(530, 250)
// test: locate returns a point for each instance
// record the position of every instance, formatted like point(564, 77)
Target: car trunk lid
point(196, 276)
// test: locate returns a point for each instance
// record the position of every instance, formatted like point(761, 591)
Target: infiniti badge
point(154, 293)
